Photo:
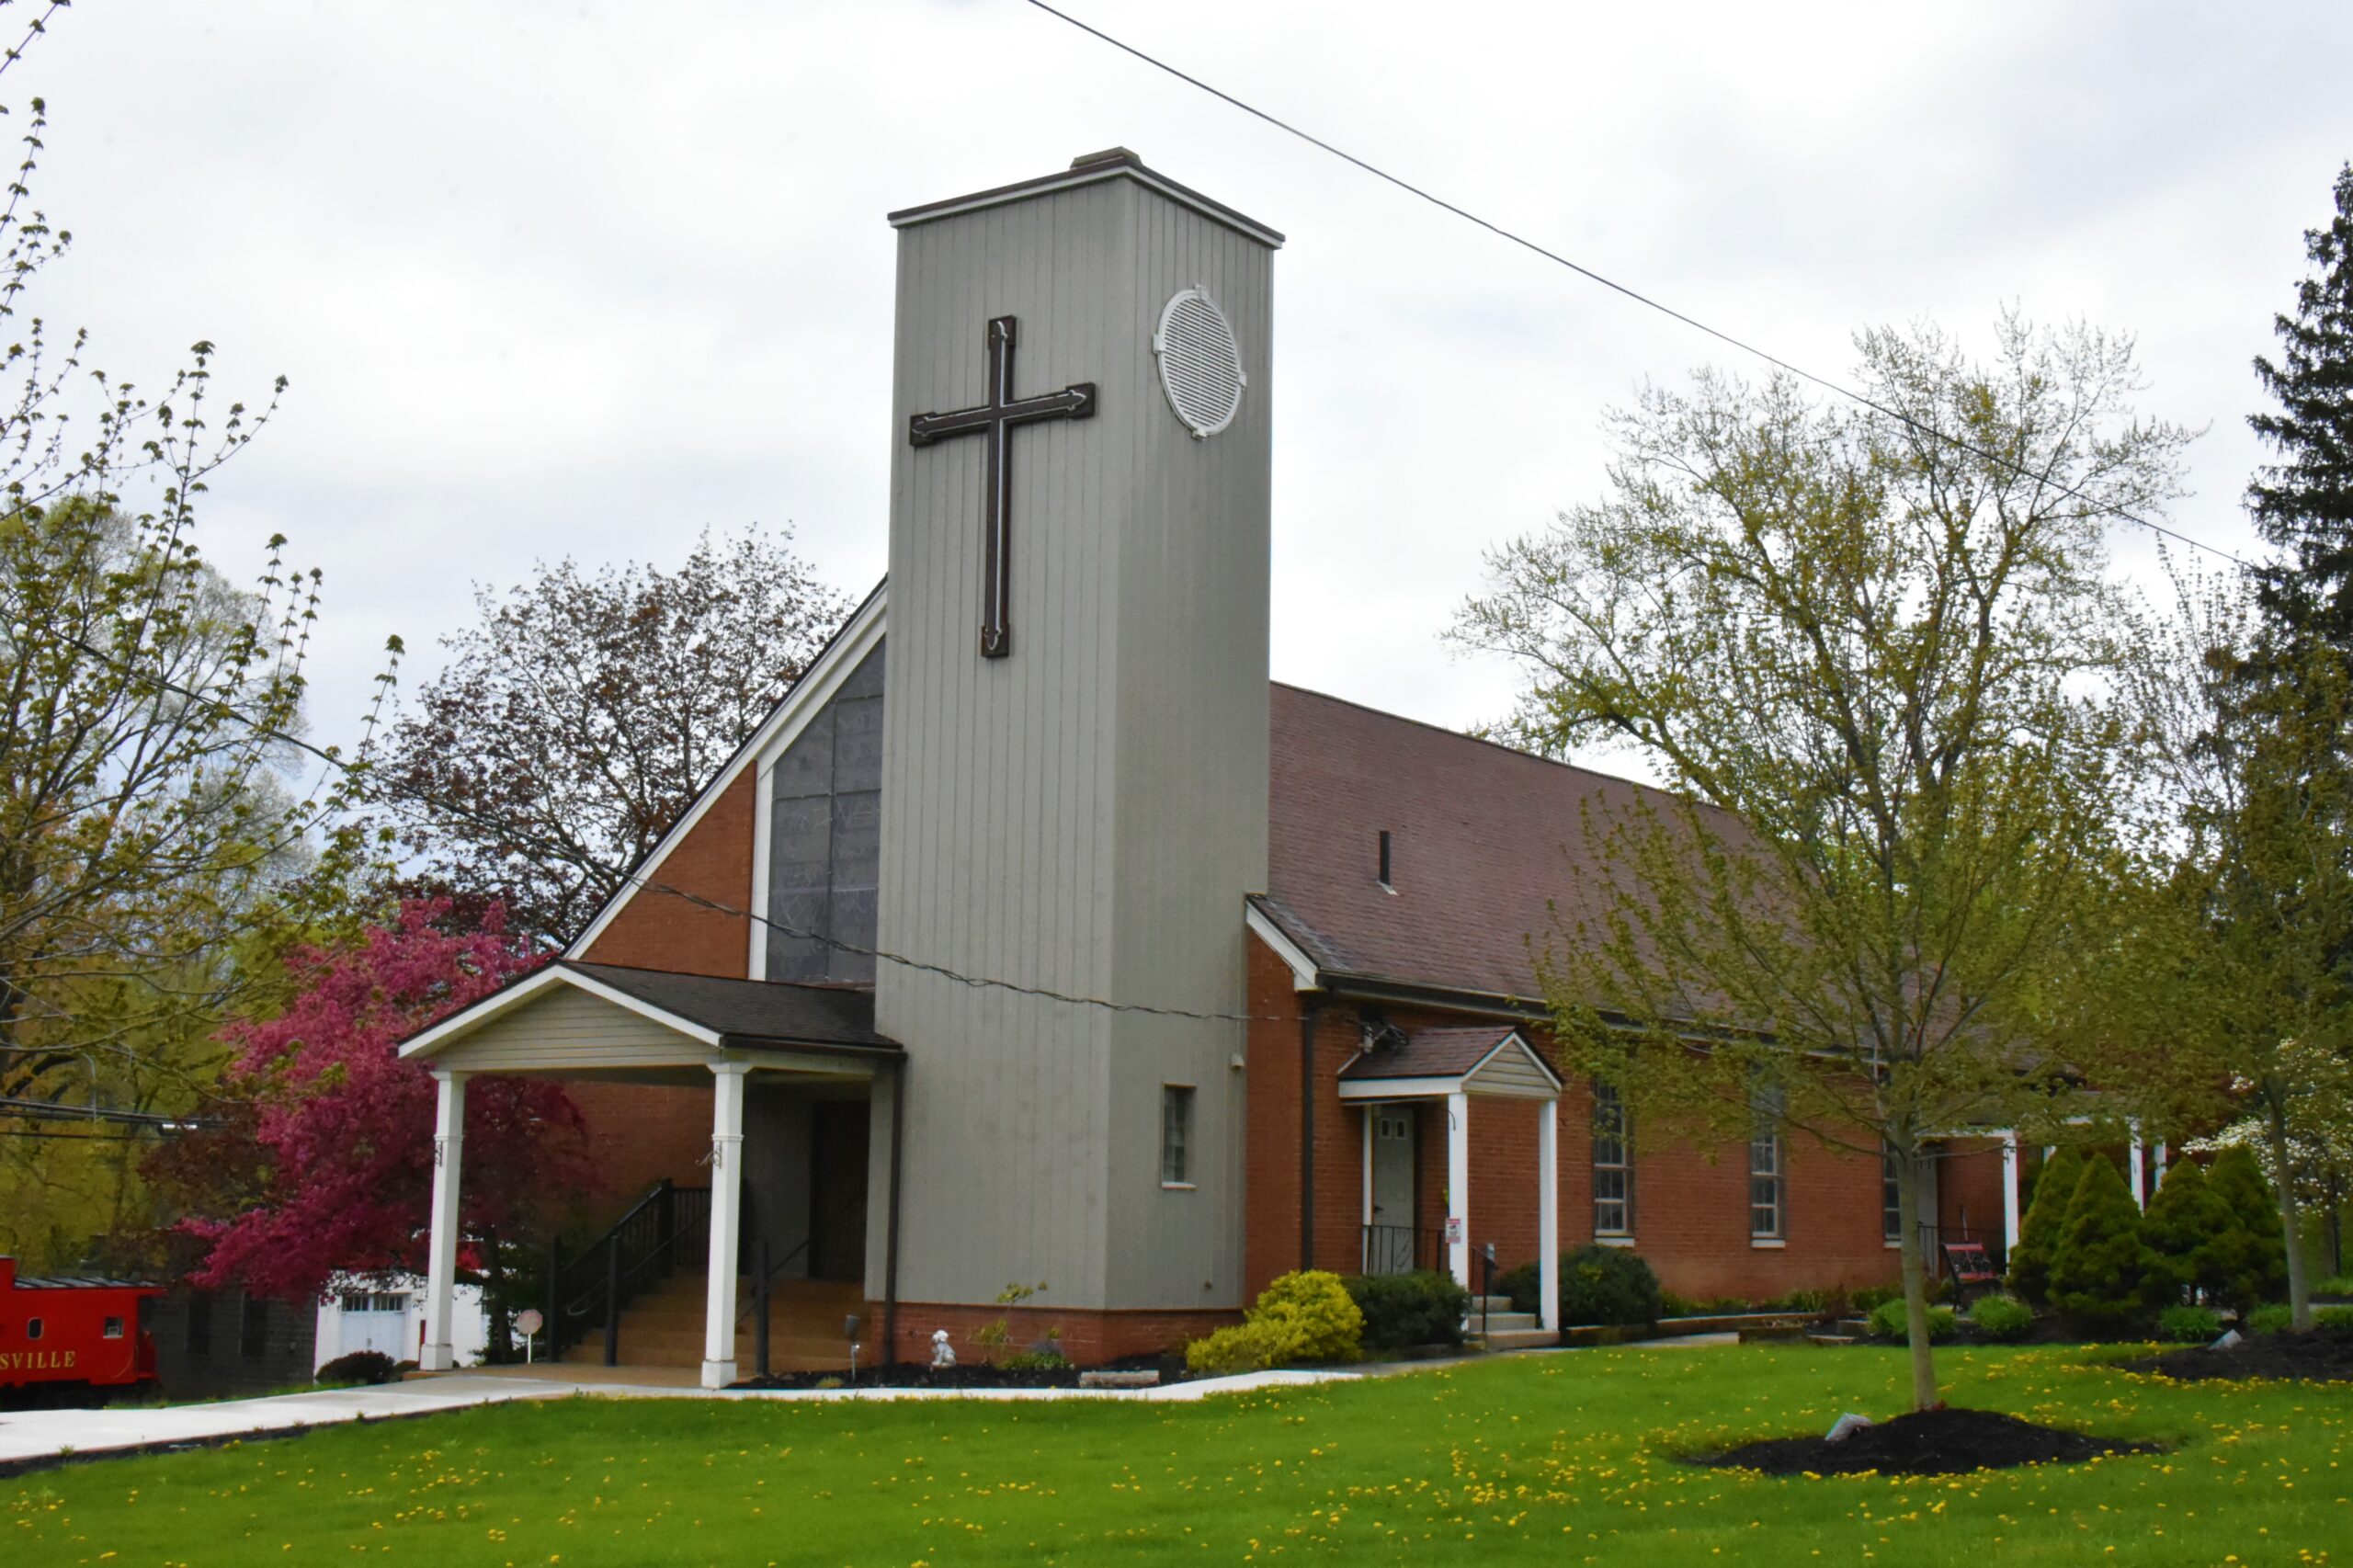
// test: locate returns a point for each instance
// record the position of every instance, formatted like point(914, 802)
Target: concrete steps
point(664, 1327)
point(1500, 1328)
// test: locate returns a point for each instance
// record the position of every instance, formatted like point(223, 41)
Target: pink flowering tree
point(343, 1128)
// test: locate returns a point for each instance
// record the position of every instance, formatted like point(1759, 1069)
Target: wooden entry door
point(838, 1190)
point(1390, 1239)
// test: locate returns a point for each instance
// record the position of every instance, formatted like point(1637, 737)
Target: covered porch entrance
point(1404, 1083)
point(795, 1232)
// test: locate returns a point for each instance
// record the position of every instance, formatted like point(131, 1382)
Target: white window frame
point(1891, 1199)
point(1611, 1129)
point(1178, 1102)
point(1768, 1163)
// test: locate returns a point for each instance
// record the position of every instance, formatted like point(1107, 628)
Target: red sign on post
point(1454, 1230)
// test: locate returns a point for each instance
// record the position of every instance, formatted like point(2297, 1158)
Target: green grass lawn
point(1563, 1459)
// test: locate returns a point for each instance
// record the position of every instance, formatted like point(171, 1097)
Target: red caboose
point(58, 1334)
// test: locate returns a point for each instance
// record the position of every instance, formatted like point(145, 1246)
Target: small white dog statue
point(942, 1353)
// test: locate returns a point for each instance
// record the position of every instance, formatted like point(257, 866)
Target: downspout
point(890, 1238)
point(1307, 1130)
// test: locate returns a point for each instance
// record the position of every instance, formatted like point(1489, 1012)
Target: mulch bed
point(2324, 1356)
point(969, 1375)
point(1925, 1442)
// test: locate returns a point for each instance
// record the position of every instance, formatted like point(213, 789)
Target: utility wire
point(1911, 423)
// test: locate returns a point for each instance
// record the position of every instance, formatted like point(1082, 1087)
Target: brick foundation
point(1087, 1338)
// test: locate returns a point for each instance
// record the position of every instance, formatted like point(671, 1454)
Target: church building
point(1039, 939)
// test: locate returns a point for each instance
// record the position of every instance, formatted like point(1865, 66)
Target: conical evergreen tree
point(2038, 1233)
point(2101, 1266)
point(2250, 1260)
point(2304, 504)
point(2184, 1222)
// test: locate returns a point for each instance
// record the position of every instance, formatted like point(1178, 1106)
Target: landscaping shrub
point(2186, 1325)
point(1402, 1310)
point(2046, 1218)
point(2342, 1285)
point(2099, 1269)
point(1869, 1299)
point(359, 1367)
point(2278, 1318)
point(2249, 1259)
point(2001, 1318)
point(2180, 1228)
point(1888, 1321)
point(1671, 1305)
point(2333, 1317)
point(1599, 1285)
point(1303, 1316)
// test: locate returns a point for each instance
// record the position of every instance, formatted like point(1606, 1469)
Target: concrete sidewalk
point(41, 1435)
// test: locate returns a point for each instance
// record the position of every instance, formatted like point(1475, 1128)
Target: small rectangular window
point(1891, 1199)
point(1613, 1172)
point(1386, 879)
point(113, 1329)
point(1767, 1184)
point(1176, 1135)
point(33, 1328)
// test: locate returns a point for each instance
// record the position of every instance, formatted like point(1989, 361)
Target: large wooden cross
point(997, 418)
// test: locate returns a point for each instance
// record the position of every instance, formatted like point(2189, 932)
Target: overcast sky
point(583, 278)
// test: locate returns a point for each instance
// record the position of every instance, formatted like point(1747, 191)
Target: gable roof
point(1488, 849)
point(1493, 1059)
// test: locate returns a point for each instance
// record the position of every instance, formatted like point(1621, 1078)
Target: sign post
point(529, 1321)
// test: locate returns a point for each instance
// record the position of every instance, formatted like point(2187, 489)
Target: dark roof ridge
point(1498, 745)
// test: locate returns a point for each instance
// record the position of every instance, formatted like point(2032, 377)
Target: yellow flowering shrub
point(1303, 1316)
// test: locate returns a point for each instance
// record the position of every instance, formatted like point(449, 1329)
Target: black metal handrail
point(1401, 1249)
point(765, 1274)
point(667, 1228)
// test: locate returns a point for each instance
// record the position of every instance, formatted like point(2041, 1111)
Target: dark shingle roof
point(1429, 1053)
point(1488, 847)
point(751, 1012)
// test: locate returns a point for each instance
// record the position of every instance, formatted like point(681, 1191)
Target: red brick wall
point(1968, 1192)
point(658, 930)
point(1691, 1214)
point(639, 1134)
point(1086, 1337)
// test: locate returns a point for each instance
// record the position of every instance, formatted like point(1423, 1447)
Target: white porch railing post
point(2139, 1157)
point(726, 1221)
point(1364, 1234)
point(2010, 1192)
point(1458, 1188)
point(438, 1354)
point(1548, 1216)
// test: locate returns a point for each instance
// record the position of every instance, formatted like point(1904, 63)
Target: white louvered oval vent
point(1200, 364)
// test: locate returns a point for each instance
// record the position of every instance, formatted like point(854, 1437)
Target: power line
point(1512, 237)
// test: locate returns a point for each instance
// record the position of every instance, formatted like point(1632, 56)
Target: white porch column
point(2139, 1157)
point(2157, 1170)
point(726, 1221)
point(1548, 1216)
point(2009, 1193)
point(1458, 1188)
point(441, 1248)
point(1364, 1232)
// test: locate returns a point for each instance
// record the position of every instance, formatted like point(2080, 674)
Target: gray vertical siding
point(1086, 815)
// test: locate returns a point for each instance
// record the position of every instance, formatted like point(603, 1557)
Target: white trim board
point(791, 715)
point(498, 1004)
point(1303, 976)
point(1373, 1089)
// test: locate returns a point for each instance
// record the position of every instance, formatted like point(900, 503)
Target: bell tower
point(1074, 749)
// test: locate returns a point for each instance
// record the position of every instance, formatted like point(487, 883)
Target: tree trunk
point(2291, 1218)
point(1908, 1162)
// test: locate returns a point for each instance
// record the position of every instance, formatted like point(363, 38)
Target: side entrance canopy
point(574, 1020)
point(1456, 1066)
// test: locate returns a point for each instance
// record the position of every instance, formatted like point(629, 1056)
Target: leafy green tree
point(2304, 504)
point(2249, 1259)
point(2099, 1272)
point(2046, 1218)
point(1868, 661)
point(2184, 1222)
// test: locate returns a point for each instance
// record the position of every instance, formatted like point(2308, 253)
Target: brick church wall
point(639, 1134)
point(657, 931)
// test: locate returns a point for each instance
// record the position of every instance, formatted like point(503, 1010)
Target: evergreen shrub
point(2249, 1260)
point(1599, 1285)
point(2099, 1269)
point(2001, 1318)
point(2186, 1325)
point(2183, 1223)
point(359, 1367)
point(1403, 1311)
point(1302, 1316)
point(2046, 1216)
point(1888, 1321)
